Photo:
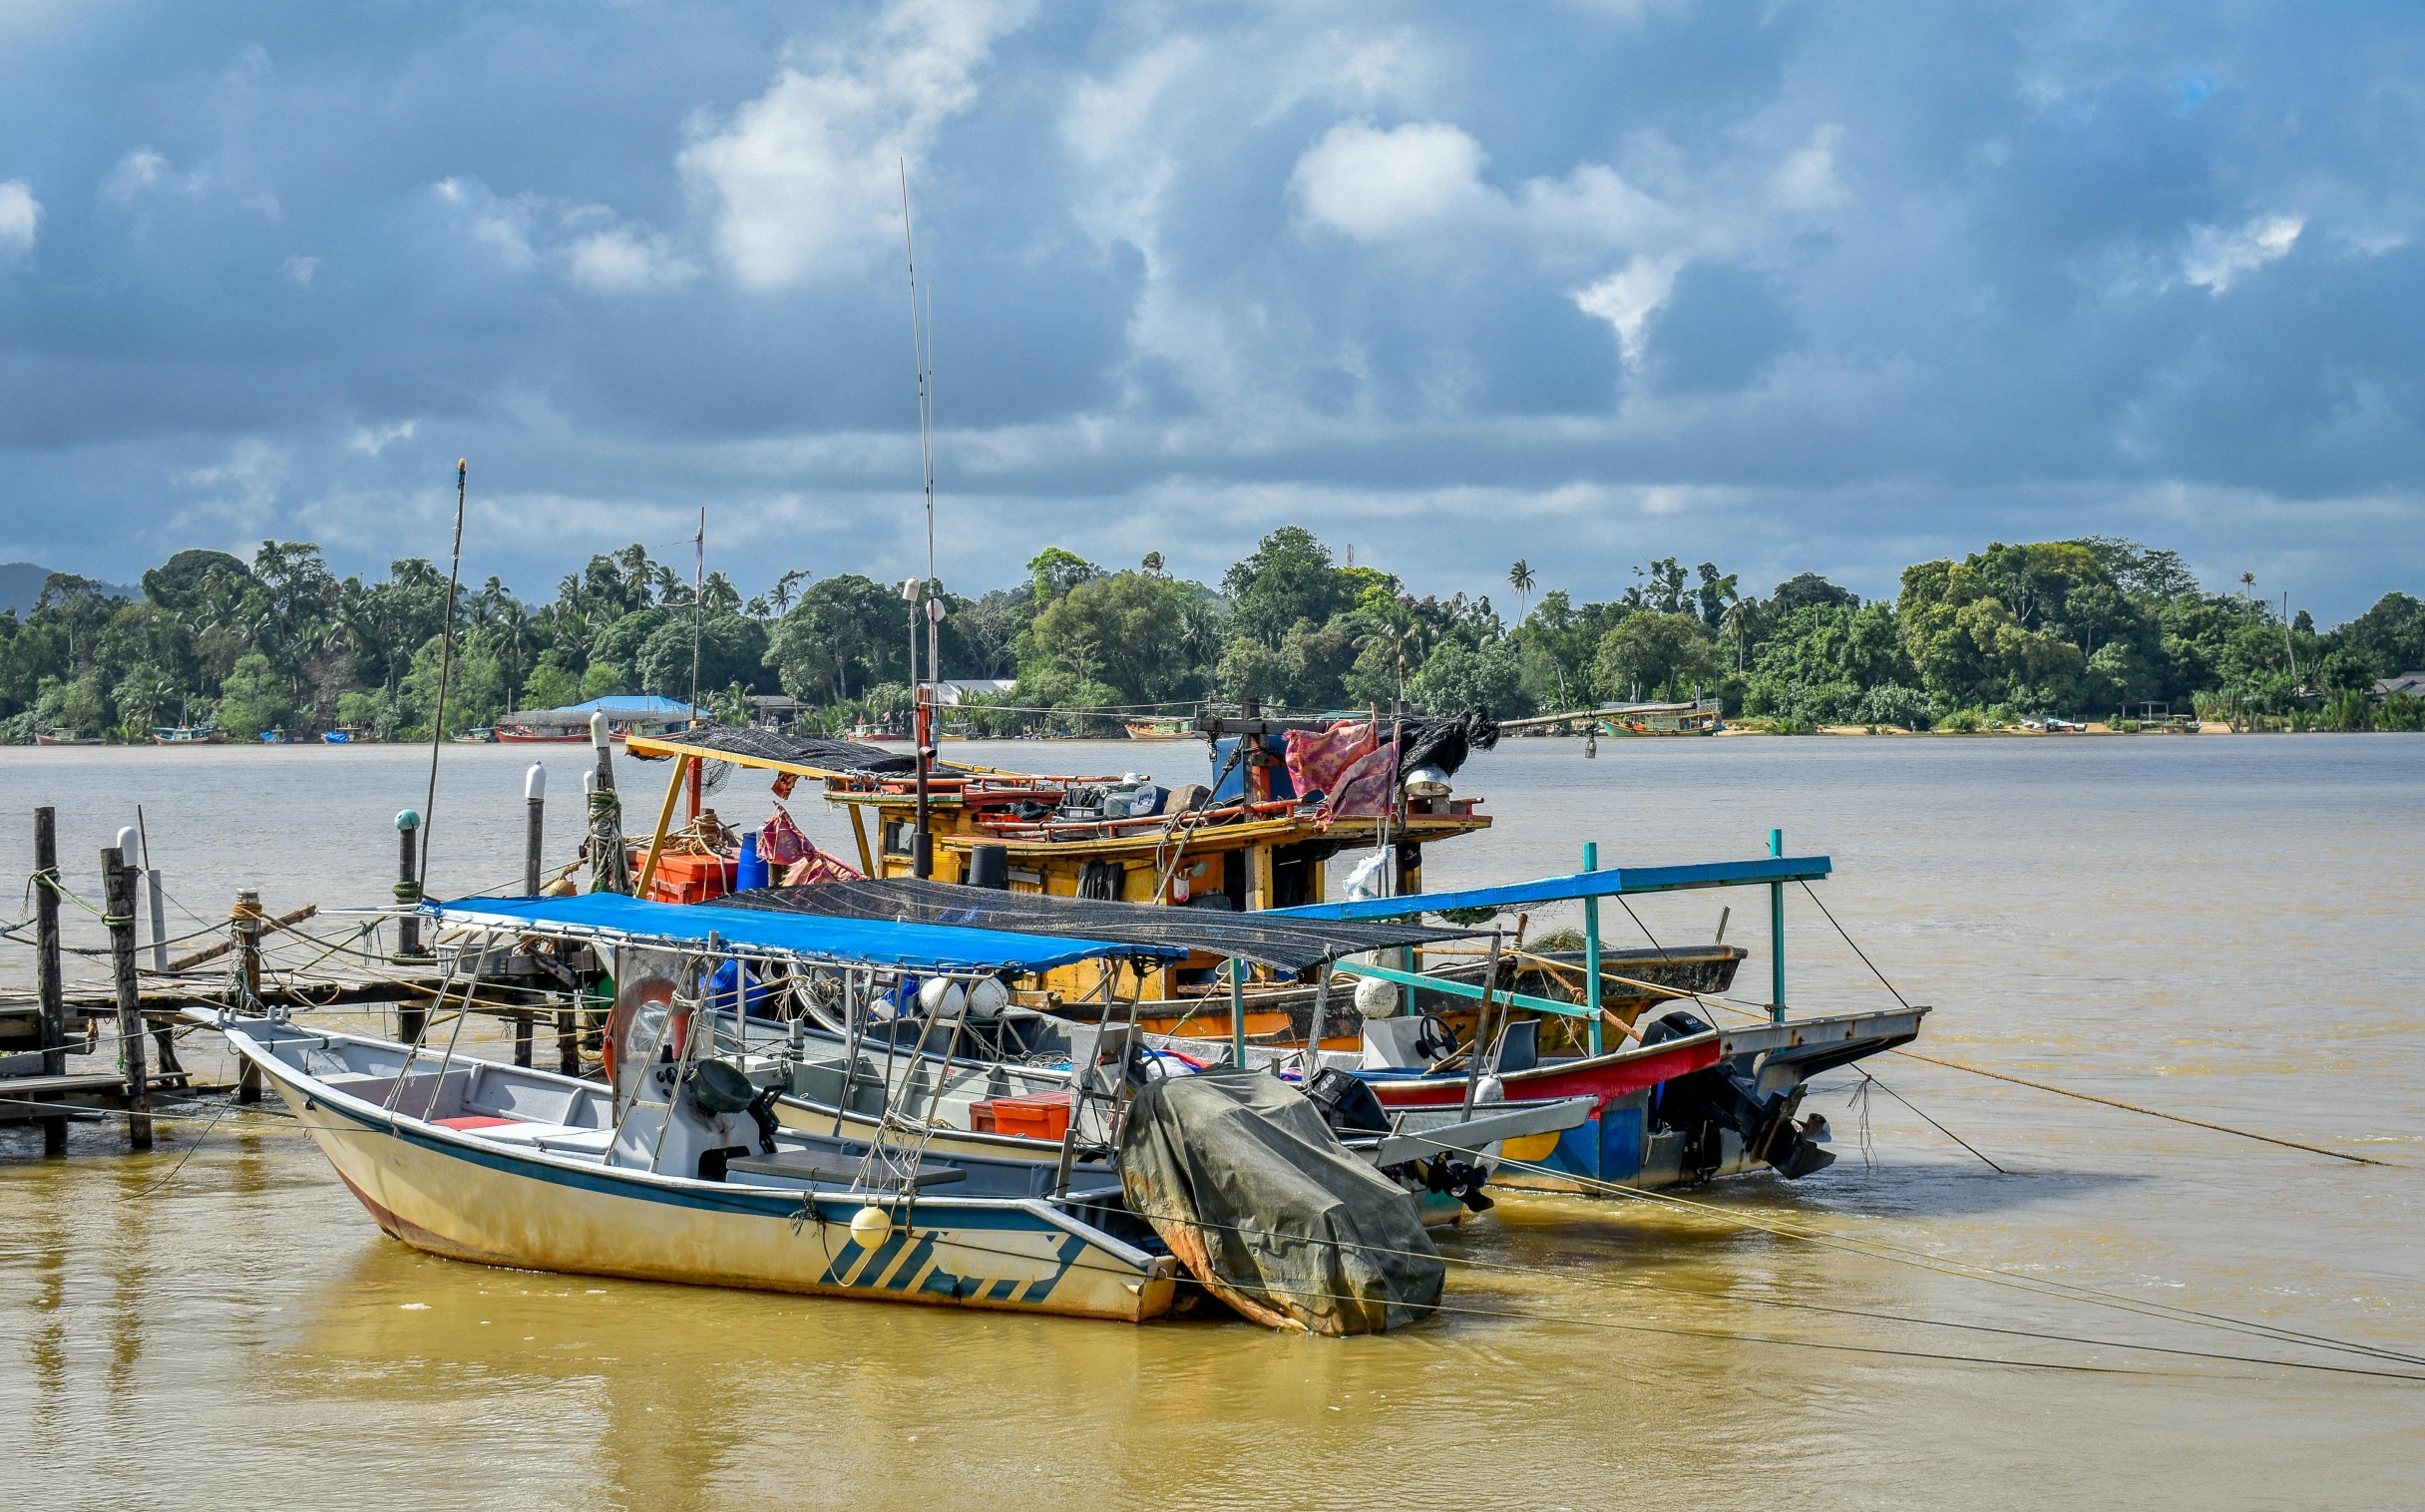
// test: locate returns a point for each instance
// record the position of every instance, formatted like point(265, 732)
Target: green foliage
point(1455, 679)
point(374, 710)
point(731, 651)
point(475, 686)
point(2078, 627)
point(1655, 654)
point(605, 679)
point(550, 686)
point(1127, 632)
point(1289, 579)
point(1053, 571)
point(252, 699)
point(2390, 636)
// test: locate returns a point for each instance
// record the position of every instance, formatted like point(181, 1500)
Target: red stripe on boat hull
point(1603, 1078)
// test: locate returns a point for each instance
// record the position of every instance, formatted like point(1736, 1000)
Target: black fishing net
point(798, 750)
point(1287, 944)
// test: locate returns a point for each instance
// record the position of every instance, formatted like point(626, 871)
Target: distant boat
point(187, 734)
point(1160, 730)
point(523, 734)
point(67, 740)
point(275, 737)
point(485, 735)
point(348, 734)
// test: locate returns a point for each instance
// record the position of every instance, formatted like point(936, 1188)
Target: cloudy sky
point(1791, 286)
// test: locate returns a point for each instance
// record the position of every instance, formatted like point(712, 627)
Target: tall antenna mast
point(921, 717)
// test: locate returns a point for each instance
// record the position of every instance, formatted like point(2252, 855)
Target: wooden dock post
point(119, 913)
point(568, 1042)
point(522, 1040)
point(52, 987)
point(244, 934)
point(411, 1018)
point(408, 888)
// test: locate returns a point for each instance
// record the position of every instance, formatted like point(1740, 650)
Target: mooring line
point(2038, 1286)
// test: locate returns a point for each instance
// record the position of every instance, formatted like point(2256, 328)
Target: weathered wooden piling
point(52, 987)
point(119, 904)
point(245, 936)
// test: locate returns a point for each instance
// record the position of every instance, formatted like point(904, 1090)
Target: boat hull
point(458, 1196)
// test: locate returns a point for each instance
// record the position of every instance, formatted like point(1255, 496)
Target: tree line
point(2075, 629)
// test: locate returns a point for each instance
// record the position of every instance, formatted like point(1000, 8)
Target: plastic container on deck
point(1045, 1115)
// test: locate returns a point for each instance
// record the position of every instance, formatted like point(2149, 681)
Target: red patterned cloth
point(1366, 790)
point(819, 865)
point(1317, 762)
point(781, 843)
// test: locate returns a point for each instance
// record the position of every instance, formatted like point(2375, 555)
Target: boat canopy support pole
point(867, 858)
point(1442, 985)
point(1237, 1014)
point(1775, 936)
point(682, 766)
point(1591, 946)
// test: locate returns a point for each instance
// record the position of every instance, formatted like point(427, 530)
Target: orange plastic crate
point(692, 879)
point(1043, 1116)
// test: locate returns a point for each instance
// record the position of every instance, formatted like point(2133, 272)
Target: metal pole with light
point(1591, 946)
point(1776, 934)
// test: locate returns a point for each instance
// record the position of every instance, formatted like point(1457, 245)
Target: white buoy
point(988, 997)
point(941, 997)
point(1376, 998)
point(871, 1226)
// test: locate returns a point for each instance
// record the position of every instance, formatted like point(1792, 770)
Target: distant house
point(773, 711)
point(2411, 684)
point(967, 687)
point(624, 713)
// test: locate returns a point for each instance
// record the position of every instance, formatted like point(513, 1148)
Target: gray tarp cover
point(1245, 1182)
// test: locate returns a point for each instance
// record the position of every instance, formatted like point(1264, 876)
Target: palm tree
point(1519, 577)
point(1737, 623)
point(785, 589)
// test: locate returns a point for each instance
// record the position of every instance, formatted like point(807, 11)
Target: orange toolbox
point(692, 879)
point(1045, 1115)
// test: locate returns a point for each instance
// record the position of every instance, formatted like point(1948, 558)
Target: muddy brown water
point(2223, 928)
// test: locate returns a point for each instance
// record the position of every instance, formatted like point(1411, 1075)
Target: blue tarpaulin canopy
point(874, 942)
point(1608, 883)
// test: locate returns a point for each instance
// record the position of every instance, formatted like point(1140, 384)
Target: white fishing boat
point(504, 1166)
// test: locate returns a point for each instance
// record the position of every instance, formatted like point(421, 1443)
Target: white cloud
point(805, 178)
point(20, 219)
point(136, 172)
point(300, 270)
point(503, 225)
point(1807, 180)
point(622, 260)
point(2216, 257)
point(246, 488)
point(1628, 297)
point(1373, 184)
point(370, 441)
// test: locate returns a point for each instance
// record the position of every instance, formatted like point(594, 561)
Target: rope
point(1955, 1065)
point(1932, 1123)
point(1777, 1302)
point(2127, 1107)
point(2038, 1286)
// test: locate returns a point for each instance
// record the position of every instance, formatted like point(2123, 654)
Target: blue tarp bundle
point(876, 941)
